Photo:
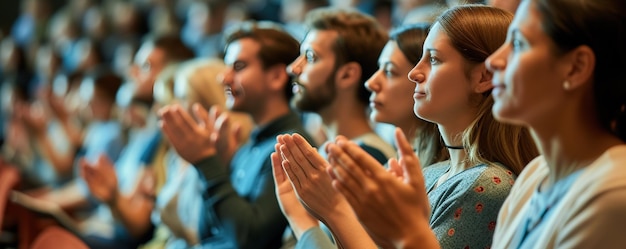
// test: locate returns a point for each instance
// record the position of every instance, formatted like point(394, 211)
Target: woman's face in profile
point(443, 90)
point(392, 91)
point(528, 76)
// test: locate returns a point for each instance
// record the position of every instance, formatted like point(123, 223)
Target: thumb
point(395, 168)
point(83, 167)
point(202, 116)
point(237, 132)
point(411, 167)
point(277, 169)
point(222, 124)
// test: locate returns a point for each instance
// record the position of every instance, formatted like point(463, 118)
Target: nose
point(373, 84)
point(416, 75)
point(226, 77)
point(497, 60)
point(295, 68)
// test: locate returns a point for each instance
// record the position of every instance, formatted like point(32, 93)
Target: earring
point(566, 85)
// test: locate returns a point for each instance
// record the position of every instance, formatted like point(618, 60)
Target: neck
point(346, 119)
point(571, 138)
point(270, 112)
point(571, 146)
point(453, 136)
point(409, 128)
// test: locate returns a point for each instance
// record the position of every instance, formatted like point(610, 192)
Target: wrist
point(339, 214)
point(112, 201)
point(301, 223)
point(419, 237)
point(196, 158)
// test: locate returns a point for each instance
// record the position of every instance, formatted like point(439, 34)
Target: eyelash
point(388, 72)
point(517, 44)
point(310, 57)
point(238, 66)
point(433, 60)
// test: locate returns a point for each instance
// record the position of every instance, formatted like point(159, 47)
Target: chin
point(505, 115)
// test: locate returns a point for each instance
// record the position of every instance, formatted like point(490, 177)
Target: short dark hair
point(105, 82)
point(360, 40)
point(277, 46)
point(174, 48)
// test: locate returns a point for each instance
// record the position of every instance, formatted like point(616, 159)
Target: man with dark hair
point(240, 203)
point(338, 54)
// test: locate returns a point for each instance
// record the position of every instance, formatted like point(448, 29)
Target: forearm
point(421, 238)
point(315, 237)
point(133, 211)
point(69, 197)
point(348, 231)
point(73, 130)
point(62, 163)
point(302, 222)
point(250, 222)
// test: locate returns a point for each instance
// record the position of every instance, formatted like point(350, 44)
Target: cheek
point(401, 94)
point(318, 72)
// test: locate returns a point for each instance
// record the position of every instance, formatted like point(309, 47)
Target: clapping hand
point(391, 208)
point(100, 178)
point(195, 140)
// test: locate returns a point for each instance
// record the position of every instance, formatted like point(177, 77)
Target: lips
point(231, 92)
point(297, 87)
point(498, 89)
point(375, 104)
point(418, 94)
point(228, 91)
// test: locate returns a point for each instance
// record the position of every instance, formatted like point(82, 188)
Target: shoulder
point(600, 183)
point(488, 181)
point(376, 146)
point(607, 172)
point(602, 220)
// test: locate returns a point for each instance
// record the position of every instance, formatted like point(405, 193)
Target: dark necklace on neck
point(460, 147)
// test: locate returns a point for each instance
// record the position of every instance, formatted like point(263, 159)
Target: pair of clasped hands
point(390, 204)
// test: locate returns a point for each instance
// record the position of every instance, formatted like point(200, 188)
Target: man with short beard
point(338, 54)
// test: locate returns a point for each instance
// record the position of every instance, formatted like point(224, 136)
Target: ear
point(483, 77)
point(348, 75)
point(276, 77)
point(582, 62)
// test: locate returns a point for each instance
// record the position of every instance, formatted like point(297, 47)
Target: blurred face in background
point(149, 62)
point(244, 79)
point(392, 91)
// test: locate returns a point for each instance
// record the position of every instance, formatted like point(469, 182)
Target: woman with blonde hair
point(179, 204)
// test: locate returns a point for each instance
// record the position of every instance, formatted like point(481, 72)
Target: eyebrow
point(385, 63)
point(517, 32)
point(307, 49)
point(431, 50)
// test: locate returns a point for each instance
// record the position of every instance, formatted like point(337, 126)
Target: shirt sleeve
point(246, 223)
point(469, 220)
point(315, 237)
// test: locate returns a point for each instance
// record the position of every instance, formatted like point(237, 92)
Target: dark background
point(9, 9)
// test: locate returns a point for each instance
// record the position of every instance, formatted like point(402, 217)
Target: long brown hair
point(476, 31)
